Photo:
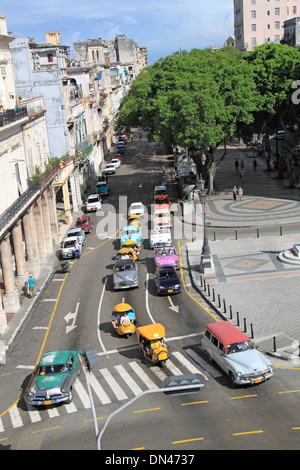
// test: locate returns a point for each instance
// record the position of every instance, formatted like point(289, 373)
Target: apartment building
point(259, 22)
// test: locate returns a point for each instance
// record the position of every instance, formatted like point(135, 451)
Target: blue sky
point(163, 26)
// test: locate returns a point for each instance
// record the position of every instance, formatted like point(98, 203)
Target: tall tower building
point(259, 22)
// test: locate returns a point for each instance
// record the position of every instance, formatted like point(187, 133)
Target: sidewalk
point(251, 287)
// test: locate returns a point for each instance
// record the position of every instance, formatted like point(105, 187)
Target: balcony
point(12, 115)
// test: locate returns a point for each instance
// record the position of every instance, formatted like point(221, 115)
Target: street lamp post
point(205, 254)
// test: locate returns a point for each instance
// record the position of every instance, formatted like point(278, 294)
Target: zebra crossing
point(117, 384)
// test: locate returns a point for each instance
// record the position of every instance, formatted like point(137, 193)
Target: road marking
point(189, 440)
point(15, 417)
point(173, 307)
point(136, 390)
point(49, 300)
point(20, 366)
point(145, 411)
point(190, 367)
point(103, 397)
point(289, 391)
point(119, 393)
point(172, 368)
point(53, 412)
point(71, 316)
point(194, 403)
point(83, 395)
point(44, 430)
point(246, 433)
point(243, 396)
point(147, 299)
point(141, 374)
point(98, 316)
point(70, 407)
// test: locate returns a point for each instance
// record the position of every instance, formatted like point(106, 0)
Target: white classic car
point(160, 237)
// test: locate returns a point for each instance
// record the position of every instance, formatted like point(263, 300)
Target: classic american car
point(68, 247)
point(166, 256)
point(160, 237)
point(54, 378)
point(102, 188)
point(125, 274)
point(235, 353)
point(131, 232)
point(167, 280)
point(85, 223)
point(162, 216)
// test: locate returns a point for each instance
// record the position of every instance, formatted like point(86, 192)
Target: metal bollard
point(224, 305)
point(213, 292)
point(274, 344)
point(237, 319)
point(245, 325)
point(251, 329)
point(230, 312)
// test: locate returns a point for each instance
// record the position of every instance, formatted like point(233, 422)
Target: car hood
point(168, 283)
point(50, 380)
point(168, 260)
point(250, 361)
point(125, 275)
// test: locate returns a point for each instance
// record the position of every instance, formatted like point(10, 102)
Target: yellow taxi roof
point(122, 307)
point(129, 243)
point(125, 249)
point(153, 331)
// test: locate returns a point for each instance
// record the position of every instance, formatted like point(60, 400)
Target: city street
point(74, 311)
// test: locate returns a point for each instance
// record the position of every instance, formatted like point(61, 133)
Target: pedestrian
point(236, 164)
point(234, 192)
point(254, 163)
point(241, 192)
point(31, 283)
point(242, 164)
point(77, 250)
point(242, 175)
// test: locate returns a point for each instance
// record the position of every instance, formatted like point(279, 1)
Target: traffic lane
point(216, 418)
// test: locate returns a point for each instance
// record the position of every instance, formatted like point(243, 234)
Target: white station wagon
point(235, 353)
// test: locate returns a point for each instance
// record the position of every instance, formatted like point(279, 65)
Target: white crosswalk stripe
point(110, 385)
point(119, 393)
point(98, 389)
point(15, 417)
point(128, 380)
point(141, 374)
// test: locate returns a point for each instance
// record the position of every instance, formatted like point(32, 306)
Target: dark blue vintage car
point(167, 280)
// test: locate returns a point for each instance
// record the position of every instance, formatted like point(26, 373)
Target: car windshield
point(93, 199)
point(125, 267)
point(128, 231)
point(53, 369)
point(69, 243)
point(167, 275)
point(165, 252)
point(136, 206)
point(80, 222)
point(75, 234)
point(238, 347)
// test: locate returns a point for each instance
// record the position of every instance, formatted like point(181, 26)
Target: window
point(277, 11)
point(253, 14)
point(253, 41)
point(277, 24)
point(253, 27)
point(50, 57)
point(214, 341)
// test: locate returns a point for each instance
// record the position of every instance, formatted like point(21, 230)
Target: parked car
point(167, 280)
point(102, 188)
point(160, 237)
point(119, 156)
point(121, 149)
point(116, 162)
point(235, 353)
point(109, 169)
point(136, 208)
point(93, 202)
point(125, 274)
point(162, 216)
point(77, 232)
point(131, 232)
point(54, 378)
point(68, 247)
point(85, 223)
point(166, 256)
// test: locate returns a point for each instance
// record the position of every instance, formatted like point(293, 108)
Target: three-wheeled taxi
point(133, 246)
point(151, 339)
point(126, 253)
point(123, 320)
point(135, 220)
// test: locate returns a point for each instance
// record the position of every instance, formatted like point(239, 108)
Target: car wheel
point(70, 397)
point(232, 378)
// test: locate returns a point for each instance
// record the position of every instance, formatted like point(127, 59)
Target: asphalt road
point(74, 310)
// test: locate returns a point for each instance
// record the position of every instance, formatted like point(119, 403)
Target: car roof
point(93, 195)
point(70, 239)
point(160, 187)
point(74, 229)
point(226, 332)
point(84, 217)
point(166, 268)
point(56, 357)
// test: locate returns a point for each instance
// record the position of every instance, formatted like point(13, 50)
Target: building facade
point(259, 22)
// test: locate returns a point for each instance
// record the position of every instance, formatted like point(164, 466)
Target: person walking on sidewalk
point(241, 192)
point(236, 164)
point(242, 175)
point(234, 192)
point(254, 163)
point(31, 283)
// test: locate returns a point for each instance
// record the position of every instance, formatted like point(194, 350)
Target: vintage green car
point(54, 378)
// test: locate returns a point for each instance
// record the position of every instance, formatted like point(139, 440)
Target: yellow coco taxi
point(123, 319)
point(151, 339)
